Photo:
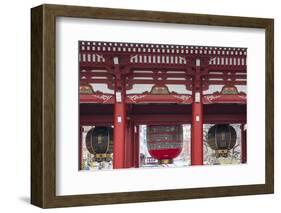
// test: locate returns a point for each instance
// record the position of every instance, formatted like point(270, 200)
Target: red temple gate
point(121, 66)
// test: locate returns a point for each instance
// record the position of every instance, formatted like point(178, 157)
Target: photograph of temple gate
point(161, 105)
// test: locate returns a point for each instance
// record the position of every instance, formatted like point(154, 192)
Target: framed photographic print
point(136, 106)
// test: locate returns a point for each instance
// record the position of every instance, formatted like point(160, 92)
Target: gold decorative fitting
point(166, 161)
point(222, 153)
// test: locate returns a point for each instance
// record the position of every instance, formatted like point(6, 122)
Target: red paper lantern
point(164, 143)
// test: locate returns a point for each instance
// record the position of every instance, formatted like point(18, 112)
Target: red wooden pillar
point(119, 119)
point(129, 149)
point(136, 147)
point(197, 120)
point(243, 144)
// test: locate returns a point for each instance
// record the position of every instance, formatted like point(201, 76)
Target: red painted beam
point(157, 109)
point(227, 68)
point(93, 65)
point(161, 119)
point(173, 119)
point(94, 73)
point(97, 98)
point(223, 82)
point(225, 75)
point(148, 98)
point(95, 120)
point(95, 81)
point(152, 81)
point(224, 99)
point(224, 118)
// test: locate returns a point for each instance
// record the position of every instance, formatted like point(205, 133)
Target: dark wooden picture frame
point(43, 105)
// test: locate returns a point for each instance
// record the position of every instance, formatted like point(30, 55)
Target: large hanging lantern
point(99, 142)
point(222, 138)
point(164, 143)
